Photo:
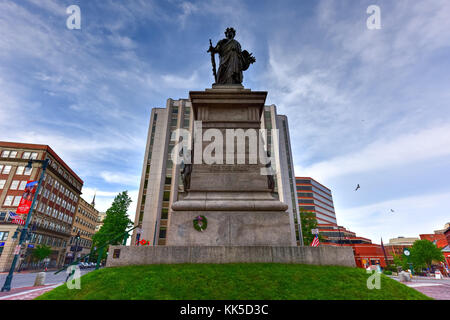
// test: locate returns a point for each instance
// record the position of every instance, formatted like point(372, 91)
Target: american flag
point(315, 242)
point(16, 218)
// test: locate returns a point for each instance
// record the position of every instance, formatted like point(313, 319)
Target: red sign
point(27, 197)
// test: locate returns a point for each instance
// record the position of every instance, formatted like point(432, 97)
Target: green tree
point(309, 221)
point(400, 260)
point(424, 252)
point(115, 222)
point(41, 252)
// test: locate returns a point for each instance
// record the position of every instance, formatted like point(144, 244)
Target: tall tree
point(115, 222)
point(309, 222)
point(424, 252)
point(41, 252)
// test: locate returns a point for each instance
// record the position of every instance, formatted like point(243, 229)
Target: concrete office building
point(315, 197)
point(55, 207)
point(161, 182)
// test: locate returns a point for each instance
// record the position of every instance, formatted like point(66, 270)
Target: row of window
point(52, 197)
point(63, 173)
point(21, 170)
point(319, 186)
point(315, 196)
point(82, 242)
point(82, 232)
point(87, 214)
point(55, 213)
point(47, 240)
point(59, 187)
point(13, 154)
point(33, 155)
point(84, 223)
point(12, 201)
point(43, 223)
point(323, 194)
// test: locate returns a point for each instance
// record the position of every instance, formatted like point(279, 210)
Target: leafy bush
point(387, 272)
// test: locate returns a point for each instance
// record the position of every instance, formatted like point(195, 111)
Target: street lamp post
point(77, 240)
point(24, 233)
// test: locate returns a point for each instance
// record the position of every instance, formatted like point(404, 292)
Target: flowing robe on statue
point(232, 62)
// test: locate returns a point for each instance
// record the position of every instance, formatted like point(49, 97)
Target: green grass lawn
point(251, 281)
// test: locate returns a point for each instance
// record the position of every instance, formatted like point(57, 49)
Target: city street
point(21, 280)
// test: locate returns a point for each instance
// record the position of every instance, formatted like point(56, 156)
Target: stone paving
point(27, 293)
point(438, 289)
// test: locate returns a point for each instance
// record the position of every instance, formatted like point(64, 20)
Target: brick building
point(55, 207)
point(84, 223)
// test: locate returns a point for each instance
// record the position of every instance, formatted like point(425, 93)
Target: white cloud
point(104, 199)
point(386, 152)
point(178, 82)
point(412, 216)
point(120, 178)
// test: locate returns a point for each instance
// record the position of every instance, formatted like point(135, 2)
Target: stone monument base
point(144, 255)
point(231, 228)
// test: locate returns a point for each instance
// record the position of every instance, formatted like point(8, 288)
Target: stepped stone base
point(143, 255)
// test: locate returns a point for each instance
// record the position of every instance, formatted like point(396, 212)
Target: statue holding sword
point(233, 61)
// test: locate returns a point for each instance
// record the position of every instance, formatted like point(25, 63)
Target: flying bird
point(392, 210)
point(357, 187)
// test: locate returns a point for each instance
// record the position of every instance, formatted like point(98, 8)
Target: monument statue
point(232, 59)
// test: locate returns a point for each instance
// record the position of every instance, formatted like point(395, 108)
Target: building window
point(23, 185)
point(34, 155)
point(164, 213)
point(2, 184)
point(13, 154)
point(8, 200)
point(26, 155)
point(6, 169)
point(5, 154)
point(162, 233)
point(20, 170)
point(28, 171)
point(14, 185)
point(17, 201)
point(4, 235)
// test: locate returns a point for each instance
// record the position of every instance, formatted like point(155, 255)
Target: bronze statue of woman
point(232, 59)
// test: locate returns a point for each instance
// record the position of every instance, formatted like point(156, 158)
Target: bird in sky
point(392, 210)
point(357, 187)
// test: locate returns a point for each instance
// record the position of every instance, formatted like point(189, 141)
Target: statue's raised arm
point(232, 59)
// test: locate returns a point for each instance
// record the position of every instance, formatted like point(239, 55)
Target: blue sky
point(364, 106)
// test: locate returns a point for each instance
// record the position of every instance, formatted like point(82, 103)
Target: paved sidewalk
point(27, 293)
point(438, 291)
